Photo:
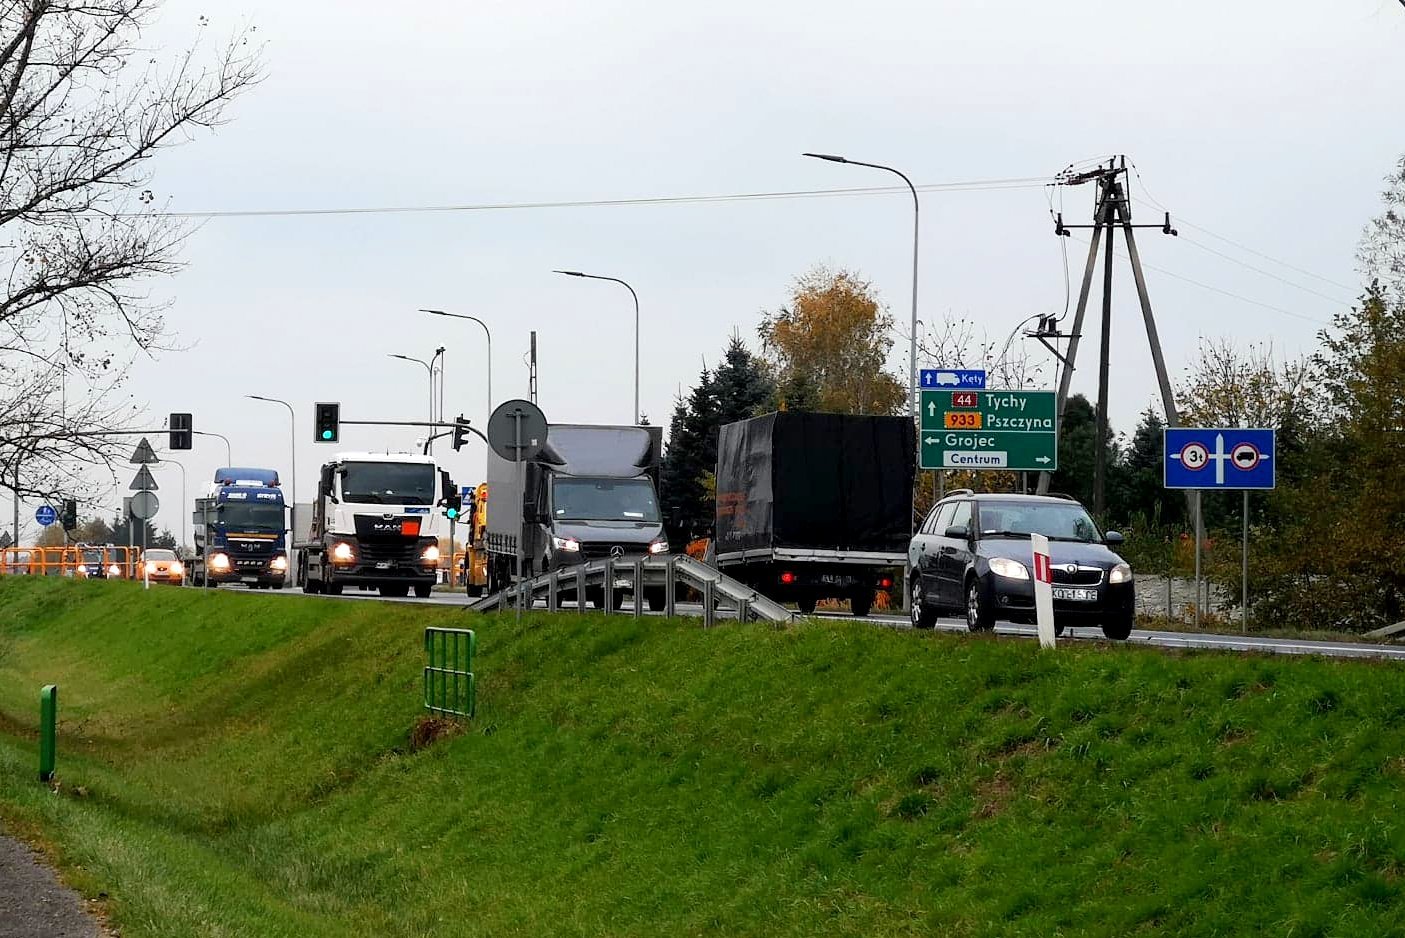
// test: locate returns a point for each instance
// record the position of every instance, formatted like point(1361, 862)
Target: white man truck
point(377, 523)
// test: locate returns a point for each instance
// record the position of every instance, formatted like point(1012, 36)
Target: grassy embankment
point(238, 765)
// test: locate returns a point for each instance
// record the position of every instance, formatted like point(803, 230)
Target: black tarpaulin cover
point(818, 481)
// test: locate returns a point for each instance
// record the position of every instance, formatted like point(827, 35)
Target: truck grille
point(1083, 576)
point(602, 551)
point(397, 551)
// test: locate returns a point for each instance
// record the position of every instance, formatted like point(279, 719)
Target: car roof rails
point(1064, 495)
point(955, 492)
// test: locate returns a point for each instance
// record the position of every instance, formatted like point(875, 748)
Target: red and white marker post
point(1043, 590)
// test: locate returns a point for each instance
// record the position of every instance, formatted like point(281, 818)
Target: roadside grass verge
point(240, 764)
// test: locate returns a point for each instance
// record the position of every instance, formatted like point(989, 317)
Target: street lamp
point(429, 369)
point(912, 343)
point(172, 462)
point(486, 332)
point(228, 452)
point(292, 475)
point(577, 273)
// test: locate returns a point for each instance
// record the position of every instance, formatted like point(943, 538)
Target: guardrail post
point(638, 588)
point(580, 589)
point(607, 587)
point(709, 604)
point(48, 730)
point(743, 610)
point(553, 598)
point(670, 587)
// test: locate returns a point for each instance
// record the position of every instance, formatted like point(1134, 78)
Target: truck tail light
point(885, 583)
point(787, 578)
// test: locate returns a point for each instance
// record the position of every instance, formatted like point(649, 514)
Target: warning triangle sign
point(143, 454)
point(144, 481)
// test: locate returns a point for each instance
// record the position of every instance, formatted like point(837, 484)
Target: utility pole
point(1111, 211)
point(532, 371)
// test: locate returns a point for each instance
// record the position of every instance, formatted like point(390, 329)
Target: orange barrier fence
point(103, 561)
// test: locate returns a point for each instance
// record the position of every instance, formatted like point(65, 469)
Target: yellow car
point(161, 566)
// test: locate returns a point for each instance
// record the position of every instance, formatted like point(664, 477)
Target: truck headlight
point(178, 568)
point(114, 570)
point(566, 543)
point(342, 552)
point(1122, 573)
point(658, 545)
point(151, 566)
point(1009, 569)
point(279, 564)
point(219, 562)
point(431, 554)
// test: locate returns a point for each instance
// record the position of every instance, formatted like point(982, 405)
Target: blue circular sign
point(46, 515)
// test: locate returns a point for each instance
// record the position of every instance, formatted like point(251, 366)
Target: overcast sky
point(1266, 122)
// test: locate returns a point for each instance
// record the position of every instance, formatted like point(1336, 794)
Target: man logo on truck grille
point(617, 552)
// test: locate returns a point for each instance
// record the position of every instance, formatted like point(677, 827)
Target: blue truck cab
point(241, 530)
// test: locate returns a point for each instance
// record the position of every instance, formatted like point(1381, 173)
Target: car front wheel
point(1118, 629)
point(978, 617)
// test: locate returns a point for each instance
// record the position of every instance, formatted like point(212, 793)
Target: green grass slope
point(238, 764)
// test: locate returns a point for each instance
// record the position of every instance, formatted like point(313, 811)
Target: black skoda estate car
point(973, 555)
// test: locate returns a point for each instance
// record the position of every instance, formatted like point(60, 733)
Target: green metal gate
point(449, 686)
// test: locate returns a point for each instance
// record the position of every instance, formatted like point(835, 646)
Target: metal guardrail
point(717, 590)
point(450, 688)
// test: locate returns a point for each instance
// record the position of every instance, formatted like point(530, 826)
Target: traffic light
point(453, 506)
point(327, 422)
point(182, 436)
point(69, 516)
point(460, 434)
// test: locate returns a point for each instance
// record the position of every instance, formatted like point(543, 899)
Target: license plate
point(383, 565)
point(836, 579)
point(248, 579)
point(1075, 595)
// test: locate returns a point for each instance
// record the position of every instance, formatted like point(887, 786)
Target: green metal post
point(48, 726)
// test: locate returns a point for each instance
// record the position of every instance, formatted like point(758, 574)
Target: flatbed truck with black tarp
point(815, 506)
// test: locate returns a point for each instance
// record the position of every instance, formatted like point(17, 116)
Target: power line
point(1220, 290)
point(1262, 272)
point(977, 185)
point(1181, 221)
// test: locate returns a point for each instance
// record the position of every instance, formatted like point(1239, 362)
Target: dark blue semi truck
point(241, 530)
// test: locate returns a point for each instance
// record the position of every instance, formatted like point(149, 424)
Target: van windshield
point(582, 499)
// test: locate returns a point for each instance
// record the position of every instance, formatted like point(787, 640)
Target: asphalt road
point(33, 903)
point(1158, 639)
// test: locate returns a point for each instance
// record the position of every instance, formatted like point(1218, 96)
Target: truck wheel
point(474, 591)
point(395, 590)
point(310, 587)
point(806, 604)
point(616, 600)
point(861, 603)
point(332, 589)
point(657, 598)
point(422, 590)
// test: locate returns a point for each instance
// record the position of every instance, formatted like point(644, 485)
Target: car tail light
point(885, 583)
point(787, 578)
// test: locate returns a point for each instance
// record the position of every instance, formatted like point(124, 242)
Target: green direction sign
point(1014, 430)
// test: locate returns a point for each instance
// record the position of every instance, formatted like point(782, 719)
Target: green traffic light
point(326, 434)
point(453, 513)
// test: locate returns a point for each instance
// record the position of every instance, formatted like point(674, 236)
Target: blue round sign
point(46, 515)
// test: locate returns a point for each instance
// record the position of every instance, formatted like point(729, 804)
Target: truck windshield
point(604, 500)
point(389, 483)
point(248, 516)
point(1057, 522)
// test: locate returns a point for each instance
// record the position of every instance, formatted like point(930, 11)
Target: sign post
point(1227, 459)
point(978, 429)
point(1043, 591)
point(517, 430)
